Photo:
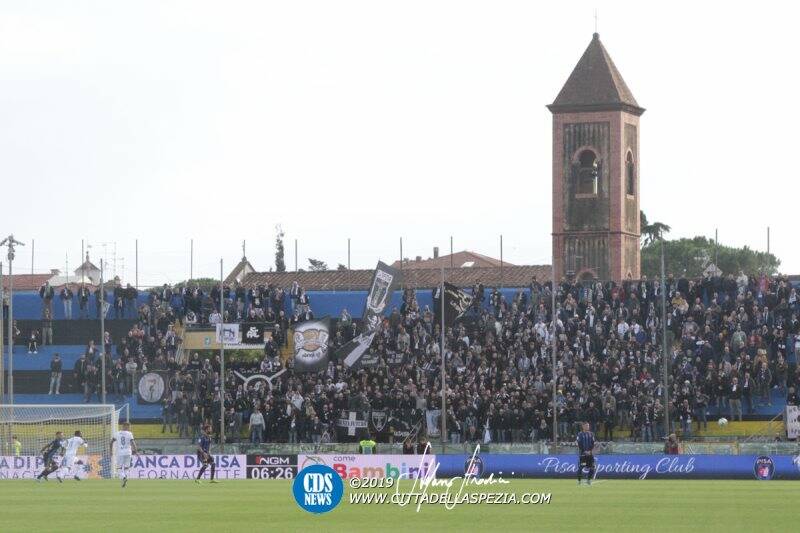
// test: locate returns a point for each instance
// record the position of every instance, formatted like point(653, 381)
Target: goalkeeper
point(49, 452)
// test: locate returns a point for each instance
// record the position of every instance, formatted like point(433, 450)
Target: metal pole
point(11, 325)
point(83, 261)
point(33, 247)
point(191, 259)
point(444, 373)
point(102, 331)
point(664, 341)
point(451, 252)
point(716, 247)
point(501, 261)
point(554, 357)
point(295, 255)
point(137, 265)
point(348, 253)
point(401, 262)
point(767, 239)
point(222, 364)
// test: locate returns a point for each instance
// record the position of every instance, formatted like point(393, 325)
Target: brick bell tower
point(596, 172)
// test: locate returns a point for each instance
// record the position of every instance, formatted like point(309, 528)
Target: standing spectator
point(167, 407)
point(100, 300)
point(83, 302)
point(256, 426)
point(66, 300)
point(685, 415)
point(33, 342)
point(79, 372)
point(46, 293)
point(735, 398)
point(131, 295)
point(56, 368)
point(90, 383)
point(119, 301)
point(47, 328)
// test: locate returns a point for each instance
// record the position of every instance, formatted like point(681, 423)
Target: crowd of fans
point(728, 342)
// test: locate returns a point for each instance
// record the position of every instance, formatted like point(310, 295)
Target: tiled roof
point(459, 260)
point(595, 85)
point(512, 276)
point(27, 282)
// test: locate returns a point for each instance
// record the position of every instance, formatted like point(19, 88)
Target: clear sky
point(167, 121)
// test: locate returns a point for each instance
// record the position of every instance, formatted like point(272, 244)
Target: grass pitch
point(251, 505)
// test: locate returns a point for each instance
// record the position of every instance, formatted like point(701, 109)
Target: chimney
point(436, 252)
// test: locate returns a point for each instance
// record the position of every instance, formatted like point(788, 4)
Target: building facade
point(596, 227)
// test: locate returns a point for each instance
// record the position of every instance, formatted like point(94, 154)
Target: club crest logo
point(764, 468)
point(473, 467)
point(378, 419)
point(311, 341)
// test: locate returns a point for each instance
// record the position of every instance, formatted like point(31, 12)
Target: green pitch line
point(253, 505)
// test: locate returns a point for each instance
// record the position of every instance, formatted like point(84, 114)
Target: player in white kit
point(125, 447)
point(71, 447)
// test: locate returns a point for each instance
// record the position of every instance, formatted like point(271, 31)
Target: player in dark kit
point(49, 452)
point(585, 442)
point(204, 454)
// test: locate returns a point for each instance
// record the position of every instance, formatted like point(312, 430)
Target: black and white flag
point(456, 303)
point(384, 281)
point(352, 352)
point(252, 333)
point(311, 346)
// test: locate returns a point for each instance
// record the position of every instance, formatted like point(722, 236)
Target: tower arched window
point(630, 175)
point(588, 172)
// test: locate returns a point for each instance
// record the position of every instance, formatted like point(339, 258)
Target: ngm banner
point(378, 466)
point(271, 466)
point(29, 466)
point(762, 467)
point(186, 467)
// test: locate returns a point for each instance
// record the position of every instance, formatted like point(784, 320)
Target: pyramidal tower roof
point(595, 85)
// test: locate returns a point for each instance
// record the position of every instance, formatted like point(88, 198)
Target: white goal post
point(34, 426)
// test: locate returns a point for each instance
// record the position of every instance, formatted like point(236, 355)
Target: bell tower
point(596, 172)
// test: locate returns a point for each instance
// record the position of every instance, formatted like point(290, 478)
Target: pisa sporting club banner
point(29, 466)
point(186, 467)
point(761, 467)
point(377, 466)
point(271, 466)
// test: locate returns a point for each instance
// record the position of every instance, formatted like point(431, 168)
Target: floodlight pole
point(554, 356)
point(221, 363)
point(664, 341)
point(10, 242)
point(102, 332)
point(443, 371)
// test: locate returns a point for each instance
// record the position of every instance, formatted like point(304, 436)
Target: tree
point(316, 265)
point(690, 257)
point(280, 263)
point(652, 232)
point(341, 267)
point(204, 283)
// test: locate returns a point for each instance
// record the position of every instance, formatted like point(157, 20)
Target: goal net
point(25, 429)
